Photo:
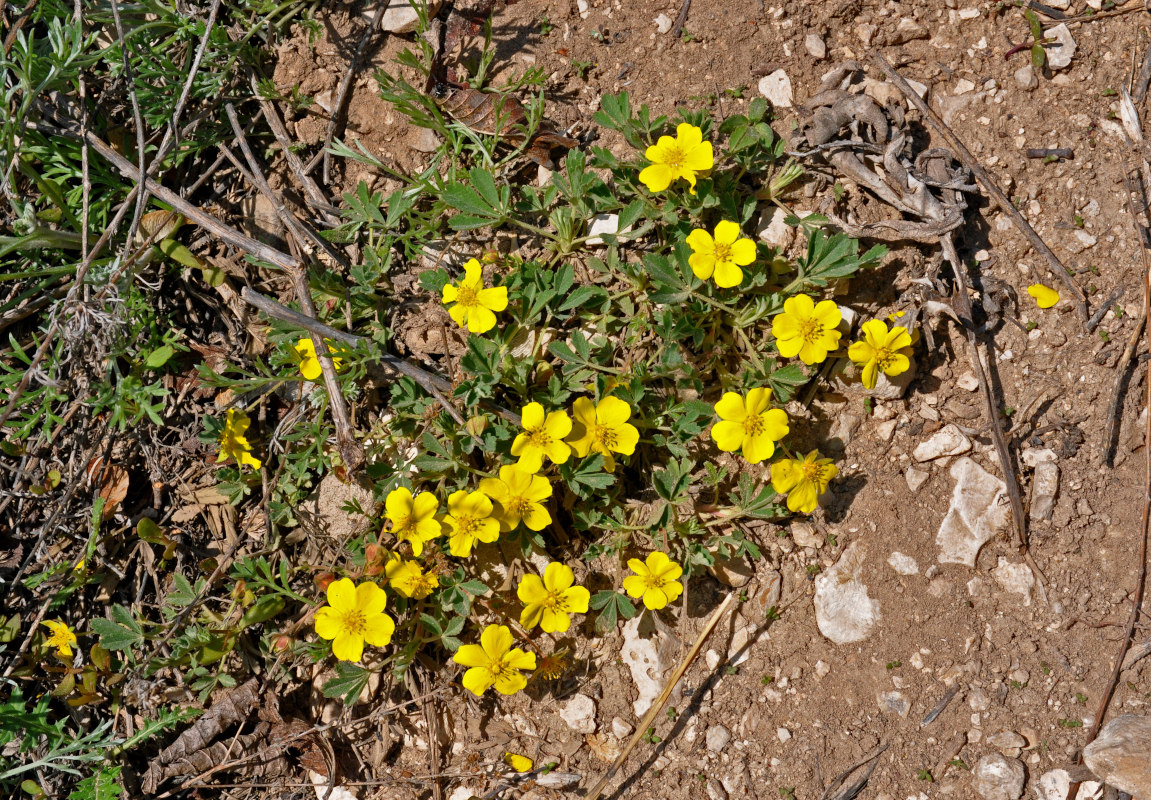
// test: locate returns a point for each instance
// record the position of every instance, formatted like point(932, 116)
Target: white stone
point(822, 669)
point(621, 728)
point(642, 658)
point(400, 17)
point(909, 30)
point(1006, 742)
point(776, 87)
point(783, 734)
point(968, 13)
point(772, 229)
point(712, 659)
point(1015, 578)
point(663, 23)
point(963, 86)
point(1059, 5)
point(893, 703)
point(865, 31)
point(916, 477)
point(815, 45)
point(324, 789)
point(583, 8)
point(885, 430)
point(602, 223)
point(1059, 52)
point(1084, 241)
point(1026, 78)
point(739, 650)
point(579, 714)
point(903, 564)
point(1121, 754)
point(717, 738)
point(968, 382)
point(977, 512)
point(1055, 784)
point(995, 777)
point(947, 441)
point(1044, 481)
point(804, 534)
point(843, 611)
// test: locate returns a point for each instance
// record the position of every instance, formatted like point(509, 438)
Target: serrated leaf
point(104, 785)
point(350, 680)
point(116, 636)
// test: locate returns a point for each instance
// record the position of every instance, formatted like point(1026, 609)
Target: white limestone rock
point(843, 610)
point(1059, 52)
point(978, 510)
point(642, 658)
point(947, 441)
point(400, 17)
point(776, 87)
point(1121, 754)
point(579, 714)
point(995, 777)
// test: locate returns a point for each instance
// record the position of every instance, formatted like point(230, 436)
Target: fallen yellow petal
point(1045, 296)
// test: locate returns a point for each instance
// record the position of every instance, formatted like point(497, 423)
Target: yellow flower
point(548, 602)
point(493, 662)
point(655, 581)
point(469, 519)
point(880, 349)
point(603, 429)
point(722, 255)
point(413, 520)
point(1045, 296)
point(749, 424)
point(475, 305)
point(519, 495)
point(518, 763)
point(542, 436)
point(62, 637)
point(354, 615)
point(408, 579)
point(681, 157)
point(304, 354)
point(802, 481)
point(806, 329)
point(233, 443)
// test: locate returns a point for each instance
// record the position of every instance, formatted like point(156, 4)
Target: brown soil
point(800, 708)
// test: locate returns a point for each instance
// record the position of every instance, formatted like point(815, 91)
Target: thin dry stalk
point(987, 182)
point(664, 696)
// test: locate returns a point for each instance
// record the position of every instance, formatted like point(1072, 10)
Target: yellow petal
point(726, 232)
point(1045, 296)
point(531, 590)
point(378, 630)
point(701, 242)
point(727, 275)
point(731, 407)
point(470, 655)
point(743, 252)
point(758, 448)
point(342, 595)
point(327, 623)
point(657, 177)
point(348, 647)
point(478, 680)
point(728, 435)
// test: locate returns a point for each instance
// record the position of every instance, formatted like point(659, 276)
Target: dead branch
point(986, 181)
point(665, 695)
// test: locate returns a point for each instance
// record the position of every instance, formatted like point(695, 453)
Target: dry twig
point(987, 182)
point(664, 696)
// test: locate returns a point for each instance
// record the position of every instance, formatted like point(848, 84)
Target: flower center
point(674, 157)
point(605, 437)
point(814, 473)
point(518, 506)
point(810, 330)
point(500, 668)
point(883, 357)
point(354, 622)
point(556, 601)
point(539, 437)
point(466, 526)
point(654, 581)
point(754, 425)
point(722, 252)
point(467, 296)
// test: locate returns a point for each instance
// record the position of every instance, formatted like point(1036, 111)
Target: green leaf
point(612, 606)
point(103, 785)
point(265, 608)
point(350, 680)
point(159, 357)
point(581, 296)
point(785, 381)
point(122, 634)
